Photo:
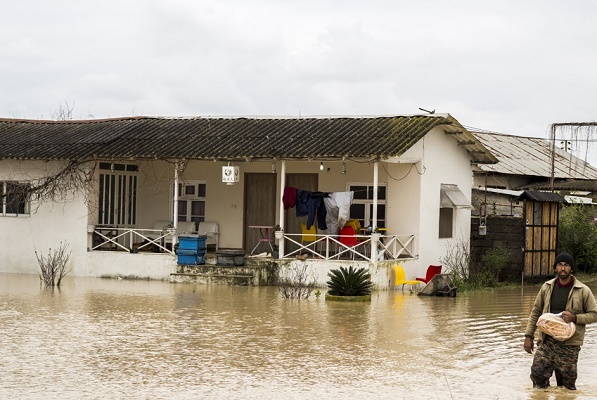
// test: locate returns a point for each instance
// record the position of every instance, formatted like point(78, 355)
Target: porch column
point(175, 208)
point(374, 238)
point(281, 217)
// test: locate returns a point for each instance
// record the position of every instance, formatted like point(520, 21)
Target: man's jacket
point(580, 301)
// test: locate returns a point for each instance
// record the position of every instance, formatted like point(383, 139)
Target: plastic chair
point(185, 227)
point(432, 270)
point(308, 235)
point(355, 223)
point(212, 231)
point(400, 278)
point(348, 238)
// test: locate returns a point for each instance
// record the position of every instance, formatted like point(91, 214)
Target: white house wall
point(46, 227)
point(443, 162)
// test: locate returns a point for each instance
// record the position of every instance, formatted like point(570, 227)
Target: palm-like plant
point(349, 282)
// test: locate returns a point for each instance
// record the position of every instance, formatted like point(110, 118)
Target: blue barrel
point(191, 249)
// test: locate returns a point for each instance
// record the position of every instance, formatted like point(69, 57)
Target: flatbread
point(555, 326)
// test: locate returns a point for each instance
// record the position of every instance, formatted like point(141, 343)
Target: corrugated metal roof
point(228, 138)
point(519, 155)
point(541, 196)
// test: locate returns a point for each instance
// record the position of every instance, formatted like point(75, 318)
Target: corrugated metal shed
point(519, 155)
point(541, 196)
point(240, 138)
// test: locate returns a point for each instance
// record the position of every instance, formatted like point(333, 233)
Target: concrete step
point(213, 279)
point(250, 274)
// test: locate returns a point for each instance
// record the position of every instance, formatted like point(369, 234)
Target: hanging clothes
point(337, 205)
point(343, 201)
point(311, 204)
point(289, 197)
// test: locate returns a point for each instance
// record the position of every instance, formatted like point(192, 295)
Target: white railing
point(330, 247)
point(325, 247)
point(132, 239)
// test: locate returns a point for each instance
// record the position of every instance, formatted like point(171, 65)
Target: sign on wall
point(230, 174)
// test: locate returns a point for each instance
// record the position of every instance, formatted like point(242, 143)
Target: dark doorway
point(260, 207)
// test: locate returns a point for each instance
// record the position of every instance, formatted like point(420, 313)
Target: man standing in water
point(574, 300)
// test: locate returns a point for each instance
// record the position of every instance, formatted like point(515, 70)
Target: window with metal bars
point(118, 194)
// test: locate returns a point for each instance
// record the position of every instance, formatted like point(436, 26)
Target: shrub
point(577, 235)
point(458, 263)
point(53, 266)
point(493, 262)
point(297, 283)
point(349, 282)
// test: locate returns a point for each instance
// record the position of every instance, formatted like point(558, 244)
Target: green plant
point(493, 262)
point(349, 282)
point(577, 235)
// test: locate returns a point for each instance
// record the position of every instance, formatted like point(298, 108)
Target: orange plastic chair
point(400, 278)
point(432, 270)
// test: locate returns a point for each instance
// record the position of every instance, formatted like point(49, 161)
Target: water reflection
point(97, 338)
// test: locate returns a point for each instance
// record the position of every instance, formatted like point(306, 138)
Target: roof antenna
point(430, 112)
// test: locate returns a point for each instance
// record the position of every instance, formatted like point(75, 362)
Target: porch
point(117, 254)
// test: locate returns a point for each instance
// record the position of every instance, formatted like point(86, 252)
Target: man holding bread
point(574, 302)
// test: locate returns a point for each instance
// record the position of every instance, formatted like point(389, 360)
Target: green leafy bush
point(349, 282)
point(493, 262)
point(577, 235)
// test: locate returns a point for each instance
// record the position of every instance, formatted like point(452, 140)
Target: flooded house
point(123, 191)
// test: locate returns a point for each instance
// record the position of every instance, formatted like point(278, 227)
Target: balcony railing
point(325, 247)
point(132, 239)
point(331, 247)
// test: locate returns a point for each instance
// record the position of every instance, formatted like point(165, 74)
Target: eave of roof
point(227, 138)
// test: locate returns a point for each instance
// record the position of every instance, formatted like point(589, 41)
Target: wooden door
point(293, 223)
point(541, 234)
point(260, 206)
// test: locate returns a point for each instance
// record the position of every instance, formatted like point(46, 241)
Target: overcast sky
point(509, 66)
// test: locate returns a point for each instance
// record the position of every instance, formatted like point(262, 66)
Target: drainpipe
point(374, 222)
point(282, 185)
point(175, 208)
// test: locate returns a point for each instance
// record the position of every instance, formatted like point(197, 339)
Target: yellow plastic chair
point(308, 235)
point(400, 278)
point(356, 225)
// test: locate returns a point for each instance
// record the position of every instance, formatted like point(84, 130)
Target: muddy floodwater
point(119, 339)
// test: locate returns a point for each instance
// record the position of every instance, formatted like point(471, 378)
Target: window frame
point(367, 202)
point(24, 202)
point(197, 194)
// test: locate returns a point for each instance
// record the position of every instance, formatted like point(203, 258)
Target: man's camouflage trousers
point(552, 355)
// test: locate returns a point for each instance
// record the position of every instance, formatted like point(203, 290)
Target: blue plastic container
point(192, 242)
point(191, 249)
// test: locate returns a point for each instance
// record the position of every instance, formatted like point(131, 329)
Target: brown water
point(108, 339)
